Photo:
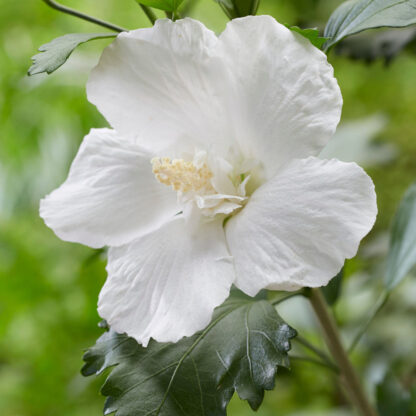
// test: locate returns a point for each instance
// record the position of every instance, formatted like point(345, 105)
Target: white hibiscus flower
point(210, 177)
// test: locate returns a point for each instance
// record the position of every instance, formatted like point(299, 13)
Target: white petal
point(286, 102)
point(110, 196)
point(259, 85)
point(162, 84)
point(298, 228)
point(166, 284)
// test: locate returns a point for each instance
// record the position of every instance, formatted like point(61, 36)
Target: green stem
point(333, 341)
point(377, 307)
point(72, 12)
point(324, 357)
point(173, 15)
point(148, 12)
point(314, 361)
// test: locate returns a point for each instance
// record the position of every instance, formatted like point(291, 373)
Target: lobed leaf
point(354, 16)
point(55, 53)
point(239, 351)
point(402, 253)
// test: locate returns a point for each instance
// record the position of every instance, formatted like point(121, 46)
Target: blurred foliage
point(378, 44)
point(49, 289)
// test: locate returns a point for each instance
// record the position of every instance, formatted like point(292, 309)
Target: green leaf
point(239, 8)
point(333, 289)
point(402, 252)
point(412, 404)
point(240, 350)
point(55, 53)
point(166, 5)
point(392, 398)
point(354, 16)
point(311, 34)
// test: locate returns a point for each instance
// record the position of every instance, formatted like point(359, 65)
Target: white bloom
point(210, 176)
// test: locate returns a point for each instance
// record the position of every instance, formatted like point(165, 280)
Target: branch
point(333, 341)
point(313, 361)
point(321, 354)
point(378, 306)
point(83, 16)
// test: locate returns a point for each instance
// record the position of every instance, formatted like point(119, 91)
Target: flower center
point(212, 184)
point(183, 176)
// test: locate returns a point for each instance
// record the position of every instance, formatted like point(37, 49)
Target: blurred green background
point(48, 288)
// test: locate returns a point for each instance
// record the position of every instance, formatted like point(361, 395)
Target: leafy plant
point(240, 350)
point(246, 341)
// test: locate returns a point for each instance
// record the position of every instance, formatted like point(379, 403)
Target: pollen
point(182, 176)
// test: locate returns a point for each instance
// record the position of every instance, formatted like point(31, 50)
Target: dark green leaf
point(354, 16)
point(392, 398)
point(311, 34)
point(239, 8)
point(412, 405)
point(402, 253)
point(333, 289)
point(166, 5)
point(239, 351)
point(55, 53)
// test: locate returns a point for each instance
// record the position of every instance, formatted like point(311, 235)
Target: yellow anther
point(182, 176)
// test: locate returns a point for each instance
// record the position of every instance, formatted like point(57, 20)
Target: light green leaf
point(402, 253)
point(354, 16)
point(240, 350)
point(239, 8)
point(311, 34)
point(166, 5)
point(55, 53)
